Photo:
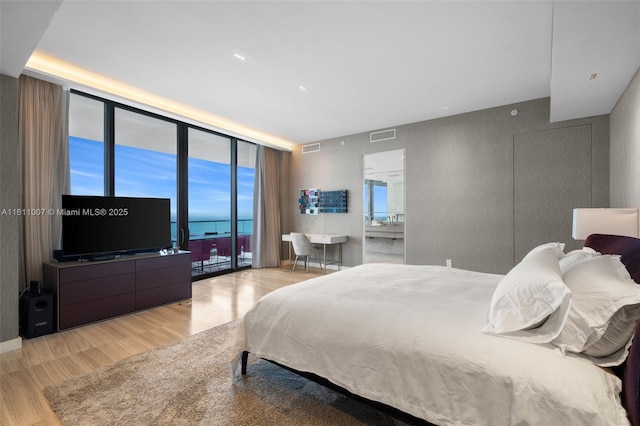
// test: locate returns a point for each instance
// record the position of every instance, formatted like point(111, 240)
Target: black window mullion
point(183, 187)
point(109, 149)
point(234, 203)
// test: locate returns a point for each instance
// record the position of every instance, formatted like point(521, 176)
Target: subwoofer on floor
point(36, 314)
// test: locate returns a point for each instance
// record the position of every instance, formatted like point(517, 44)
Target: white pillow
point(606, 306)
point(531, 303)
point(574, 257)
point(558, 249)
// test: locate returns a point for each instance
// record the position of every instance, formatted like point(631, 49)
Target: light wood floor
point(50, 359)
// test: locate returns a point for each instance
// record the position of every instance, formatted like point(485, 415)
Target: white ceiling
point(366, 65)
point(386, 166)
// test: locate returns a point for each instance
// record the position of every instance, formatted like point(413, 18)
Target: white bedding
point(409, 336)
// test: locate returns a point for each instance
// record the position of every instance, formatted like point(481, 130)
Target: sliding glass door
point(246, 172)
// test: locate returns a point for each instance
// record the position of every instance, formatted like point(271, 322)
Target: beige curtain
point(43, 113)
point(266, 210)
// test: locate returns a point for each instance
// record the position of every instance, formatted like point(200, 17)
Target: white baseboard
point(11, 345)
point(333, 267)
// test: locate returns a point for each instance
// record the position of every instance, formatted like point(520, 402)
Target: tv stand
point(92, 291)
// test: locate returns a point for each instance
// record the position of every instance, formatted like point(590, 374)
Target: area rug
point(188, 383)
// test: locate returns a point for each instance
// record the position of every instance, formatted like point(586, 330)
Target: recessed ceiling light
point(239, 56)
point(301, 87)
point(444, 108)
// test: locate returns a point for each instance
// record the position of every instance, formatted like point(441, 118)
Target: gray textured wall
point(625, 147)
point(460, 175)
point(9, 198)
point(334, 167)
point(541, 194)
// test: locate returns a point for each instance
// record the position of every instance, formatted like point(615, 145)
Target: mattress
point(410, 337)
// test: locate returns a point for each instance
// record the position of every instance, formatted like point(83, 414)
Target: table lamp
point(587, 221)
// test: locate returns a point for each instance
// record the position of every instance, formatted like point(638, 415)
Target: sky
point(145, 173)
point(379, 201)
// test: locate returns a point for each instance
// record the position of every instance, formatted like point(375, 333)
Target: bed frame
point(387, 409)
point(629, 250)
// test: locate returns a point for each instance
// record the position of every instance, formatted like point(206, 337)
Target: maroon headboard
point(629, 249)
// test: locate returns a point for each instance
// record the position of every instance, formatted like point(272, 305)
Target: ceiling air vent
point(314, 147)
point(382, 135)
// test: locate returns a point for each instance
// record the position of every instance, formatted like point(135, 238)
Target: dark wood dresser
point(91, 291)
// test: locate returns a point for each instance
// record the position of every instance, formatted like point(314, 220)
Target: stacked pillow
point(574, 257)
point(582, 302)
point(531, 303)
point(605, 308)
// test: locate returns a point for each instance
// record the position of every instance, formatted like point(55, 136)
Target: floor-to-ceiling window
point(86, 145)
point(209, 189)
point(145, 158)
point(123, 151)
point(246, 172)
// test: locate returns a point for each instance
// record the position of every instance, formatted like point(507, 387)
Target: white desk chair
point(303, 248)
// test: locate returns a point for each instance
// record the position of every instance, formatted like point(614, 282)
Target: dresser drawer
point(95, 310)
point(155, 278)
point(98, 288)
point(166, 261)
point(87, 272)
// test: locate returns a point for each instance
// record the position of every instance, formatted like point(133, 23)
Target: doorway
point(384, 207)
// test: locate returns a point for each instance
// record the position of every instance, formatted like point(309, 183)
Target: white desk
point(324, 239)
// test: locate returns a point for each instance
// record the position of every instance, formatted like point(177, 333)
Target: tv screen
point(93, 225)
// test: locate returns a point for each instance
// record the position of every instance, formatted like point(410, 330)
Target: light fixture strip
point(48, 65)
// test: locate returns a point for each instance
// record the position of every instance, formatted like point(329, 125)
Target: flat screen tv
point(100, 227)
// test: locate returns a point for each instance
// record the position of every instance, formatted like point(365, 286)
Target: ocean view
point(149, 173)
point(200, 228)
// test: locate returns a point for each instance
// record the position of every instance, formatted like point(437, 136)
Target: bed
point(430, 341)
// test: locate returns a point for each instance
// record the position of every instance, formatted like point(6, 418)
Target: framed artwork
point(333, 201)
point(309, 201)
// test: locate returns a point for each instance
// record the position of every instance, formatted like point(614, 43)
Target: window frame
point(182, 153)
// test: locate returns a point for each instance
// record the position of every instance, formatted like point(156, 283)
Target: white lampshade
point(604, 221)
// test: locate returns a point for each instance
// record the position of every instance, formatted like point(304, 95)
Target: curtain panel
point(266, 209)
point(43, 115)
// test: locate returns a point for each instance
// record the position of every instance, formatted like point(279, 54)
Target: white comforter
point(409, 336)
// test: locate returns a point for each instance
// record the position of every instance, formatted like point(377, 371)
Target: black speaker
point(36, 315)
point(35, 288)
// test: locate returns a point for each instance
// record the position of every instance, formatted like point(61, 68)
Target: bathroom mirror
point(384, 204)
